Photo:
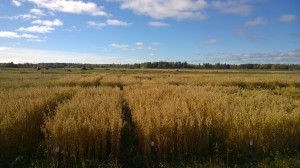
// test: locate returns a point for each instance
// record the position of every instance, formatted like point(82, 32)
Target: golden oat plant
point(9, 80)
point(176, 121)
point(241, 79)
point(22, 114)
point(87, 126)
point(87, 80)
point(261, 122)
point(201, 122)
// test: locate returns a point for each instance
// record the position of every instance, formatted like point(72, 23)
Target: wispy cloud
point(22, 16)
point(37, 12)
point(41, 26)
point(48, 23)
point(71, 6)
point(138, 46)
point(256, 22)
point(242, 31)
point(239, 7)
point(14, 35)
point(96, 25)
point(23, 55)
point(288, 57)
point(37, 29)
point(179, 10)
point(4, 48)
point(71, 29)
point(210, 42)
point(115, 22)
point(16, 3)
point(109, 22)
point(33, 14)
point(255, 37)
point(123, 47)
point(36, 40)
point(288, 18)
point(158, 24)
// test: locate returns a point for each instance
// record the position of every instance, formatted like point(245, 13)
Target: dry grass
point(80, 80)
point(87, 126)
point(196, 121)
point(21, 116)
point(196, 114)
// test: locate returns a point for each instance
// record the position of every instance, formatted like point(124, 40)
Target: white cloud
point(48, 23)
point(37, 29)
point(114, 22)
point(22, 16)
point(109, 22)
point(37, 12)
point(71, 6)
point(33, 14)
point(287, 57)
point(158, 24)
point(233, 7)
point(95, 24)
point(12, 35)
point(4, 48)
point(242, 31)
point(139, 44)
point(113, 0)
point(119, 46)
point(36, 40)
point(16, 3)
point(147, 48)
point(155, 44)
point(210, 42)
point(159, 9)
point(288, 18)
point(23, 55)
point(71, 29)
point(29, 36)
point(256, 22)
point(27, 16)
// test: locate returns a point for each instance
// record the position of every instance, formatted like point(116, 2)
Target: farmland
point(148, 118)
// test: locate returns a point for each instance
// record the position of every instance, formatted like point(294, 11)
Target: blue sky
point(134, 31)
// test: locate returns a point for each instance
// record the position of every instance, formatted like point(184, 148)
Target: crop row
point(171, 122)
point(243, 81)
point(198, 121)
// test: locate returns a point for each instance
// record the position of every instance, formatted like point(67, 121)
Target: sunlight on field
point(229, 116)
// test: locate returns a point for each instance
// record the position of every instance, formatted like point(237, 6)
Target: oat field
point(149, 118)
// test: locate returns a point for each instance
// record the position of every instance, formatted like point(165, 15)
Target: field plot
point(21, 117)
point(87, 126)
point(189, 121)
point(191, 118)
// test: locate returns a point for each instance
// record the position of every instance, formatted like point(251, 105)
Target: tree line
point(157, 65)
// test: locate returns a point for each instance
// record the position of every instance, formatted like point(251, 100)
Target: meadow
point(149, 118)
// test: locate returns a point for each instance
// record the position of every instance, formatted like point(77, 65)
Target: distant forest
point(155, 65)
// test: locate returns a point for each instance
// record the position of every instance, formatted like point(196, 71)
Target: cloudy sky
point(134, 31)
